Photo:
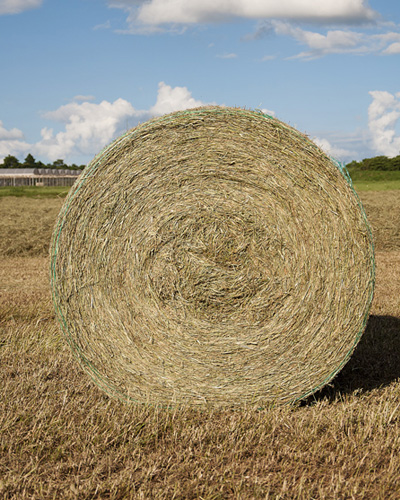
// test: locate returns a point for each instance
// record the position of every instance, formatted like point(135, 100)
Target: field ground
point(62, 438)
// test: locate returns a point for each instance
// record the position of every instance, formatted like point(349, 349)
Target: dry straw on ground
point(212, 256)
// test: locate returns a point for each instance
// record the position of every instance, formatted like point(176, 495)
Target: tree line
point(30, 162)
point(375, 163)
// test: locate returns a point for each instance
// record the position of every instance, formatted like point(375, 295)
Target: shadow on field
point(374, 363)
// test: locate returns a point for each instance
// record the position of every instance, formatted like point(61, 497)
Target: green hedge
point(381, 163)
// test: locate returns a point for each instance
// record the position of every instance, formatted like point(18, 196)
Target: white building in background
point(38, 176)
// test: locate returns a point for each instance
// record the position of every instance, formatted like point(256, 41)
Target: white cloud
point(393, 48)
point(80, 98)
point(391, 36)
point(11, 142)
point(161, 12)
point(12, 134)
point(331, 41)
point(280, 17)
point(383, 116)
point(88, 127)
point(103, 26)
point(333, 150)
point(231, 55)
point(17, 6)
point(171, 99)
point(386, 43)
point(268, 58)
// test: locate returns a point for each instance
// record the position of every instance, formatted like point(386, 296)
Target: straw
point(214, 256)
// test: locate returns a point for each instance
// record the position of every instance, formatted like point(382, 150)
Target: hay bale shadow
point(375, 362)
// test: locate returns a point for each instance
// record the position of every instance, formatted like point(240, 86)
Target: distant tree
point(74, 166)
point(29, 161)
point(381, 163)
point(396, 162)
point(59, 164)
point(11, 162)
point(353, 165)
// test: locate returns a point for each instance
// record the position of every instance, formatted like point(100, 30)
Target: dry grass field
point(62, 438)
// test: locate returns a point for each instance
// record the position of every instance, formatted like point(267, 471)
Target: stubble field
point(61, 437)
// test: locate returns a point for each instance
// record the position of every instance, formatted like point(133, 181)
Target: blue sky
point(76, 74)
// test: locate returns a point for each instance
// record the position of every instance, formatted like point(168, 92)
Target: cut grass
point(26, 225)
point(383, 212)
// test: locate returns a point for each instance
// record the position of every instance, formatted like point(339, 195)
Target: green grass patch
point(374, 175)
point(376, 185)
point(375, 180)
point(35, 191)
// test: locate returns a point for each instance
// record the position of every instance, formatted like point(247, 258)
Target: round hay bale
point(212, 256)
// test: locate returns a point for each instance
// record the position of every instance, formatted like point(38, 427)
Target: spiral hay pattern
point(212, 256)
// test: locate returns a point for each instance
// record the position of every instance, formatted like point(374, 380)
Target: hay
point(212, 256)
